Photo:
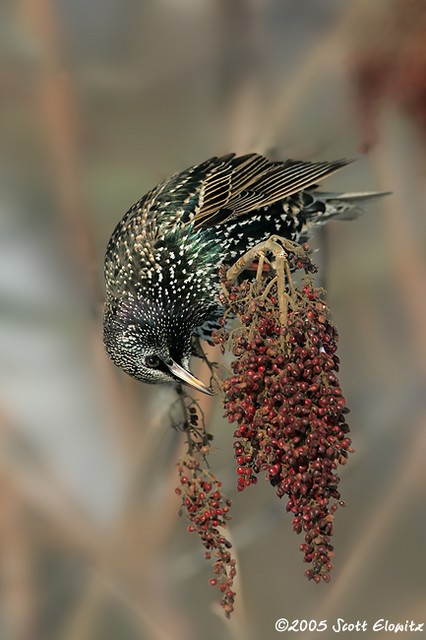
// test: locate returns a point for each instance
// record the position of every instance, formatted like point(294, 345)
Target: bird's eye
point(152, 361)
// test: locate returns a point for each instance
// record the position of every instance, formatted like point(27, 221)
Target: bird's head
point(151, 342)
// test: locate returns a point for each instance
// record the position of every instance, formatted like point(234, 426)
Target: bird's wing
point(210, 193)
point(243, 184)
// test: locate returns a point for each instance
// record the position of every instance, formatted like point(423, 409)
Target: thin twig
point(260, 265)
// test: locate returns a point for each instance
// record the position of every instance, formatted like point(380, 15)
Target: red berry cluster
point(205, 506)
point(287, 402)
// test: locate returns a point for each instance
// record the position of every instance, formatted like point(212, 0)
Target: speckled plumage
point(161, 263)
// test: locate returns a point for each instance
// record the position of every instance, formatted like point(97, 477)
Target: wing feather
point(254, 183)
point(230, 186)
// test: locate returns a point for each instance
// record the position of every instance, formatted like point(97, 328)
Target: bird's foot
point(279, 248)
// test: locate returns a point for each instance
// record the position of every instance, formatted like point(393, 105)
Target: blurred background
point(100, 100)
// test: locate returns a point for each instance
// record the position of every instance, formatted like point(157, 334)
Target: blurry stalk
point(58, 112)
point(396, 168)
point(35, 485)
point(296, 88)
point(240, 75)
point(19, 596)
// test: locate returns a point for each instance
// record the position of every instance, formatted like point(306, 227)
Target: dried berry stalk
point(285, 395)
point(203, 502)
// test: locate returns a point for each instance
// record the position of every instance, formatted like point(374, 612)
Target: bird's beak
point(188, 378)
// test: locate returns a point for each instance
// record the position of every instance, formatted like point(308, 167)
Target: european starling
point(162, 261)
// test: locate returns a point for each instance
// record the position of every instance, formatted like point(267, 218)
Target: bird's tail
point(345, 206)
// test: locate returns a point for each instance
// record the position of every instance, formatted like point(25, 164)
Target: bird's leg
point(282, 265)
point(250, 256)
point(274, 245)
